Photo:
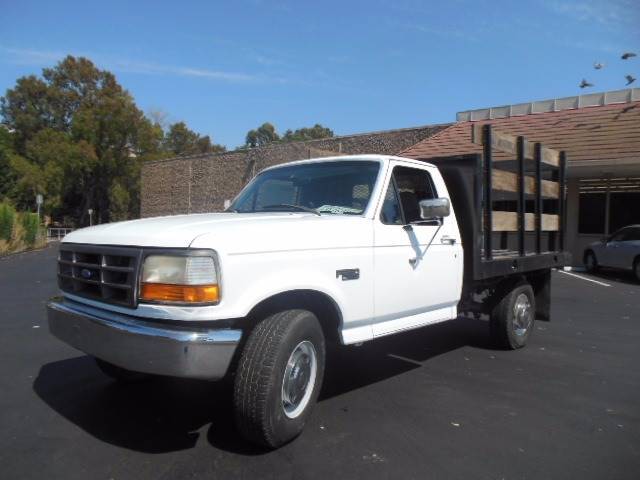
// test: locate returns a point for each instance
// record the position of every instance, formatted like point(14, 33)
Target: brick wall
point(202, 183)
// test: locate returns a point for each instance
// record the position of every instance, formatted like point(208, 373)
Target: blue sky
point(225, 67)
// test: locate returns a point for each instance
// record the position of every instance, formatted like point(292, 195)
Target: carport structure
point(600, 134)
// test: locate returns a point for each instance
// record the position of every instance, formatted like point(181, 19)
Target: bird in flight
point(628, 55)
point(598, 65)
point(585, 84)
point(630, 79)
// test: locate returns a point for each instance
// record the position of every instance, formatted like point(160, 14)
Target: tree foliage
point(6, 173)
point(182, 141)
point(266, 134)
point(31, 227)
point(313, 133)
point(77, 137)
point(7, 219)
point(261, 136)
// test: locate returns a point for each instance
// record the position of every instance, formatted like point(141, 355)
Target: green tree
point(205, 145)
point(77, 137)
point(313, 133)
point(31, 226)
point(180, 140)
point(76, 132)
point(27, 108)
point(119, 198)
point(56, 166)
point(261, 136)
point(7, 219)
point(7, 177)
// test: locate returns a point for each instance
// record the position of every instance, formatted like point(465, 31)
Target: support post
point(607, 206)
point(537, 156)
point(521, 198)
point(562, 199)
point(488, 204)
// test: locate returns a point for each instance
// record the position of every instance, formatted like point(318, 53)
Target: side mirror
point(435, 208)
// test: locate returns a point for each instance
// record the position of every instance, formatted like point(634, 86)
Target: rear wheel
point(513, 317)
point(120, 374)
point(636, 269)
point(590, 261)
point(279, 376)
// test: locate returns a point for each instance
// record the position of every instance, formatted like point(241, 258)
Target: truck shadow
point(167, 414)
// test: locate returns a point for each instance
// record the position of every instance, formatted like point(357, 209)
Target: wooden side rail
point(508, 222)
point(524, 181)
point(508, 144)
point(508, 182)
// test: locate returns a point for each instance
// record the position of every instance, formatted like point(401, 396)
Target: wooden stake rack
point(530, 160)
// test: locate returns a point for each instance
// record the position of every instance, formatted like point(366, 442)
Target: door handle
point(447, 240)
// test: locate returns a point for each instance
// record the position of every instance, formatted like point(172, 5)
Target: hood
point(232, 232)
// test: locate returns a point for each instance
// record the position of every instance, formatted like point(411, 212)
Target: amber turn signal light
point(165, 292)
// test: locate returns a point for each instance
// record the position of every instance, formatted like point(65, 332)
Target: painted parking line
point(584, 278)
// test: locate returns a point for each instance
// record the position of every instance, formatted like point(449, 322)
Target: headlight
point(180, 279)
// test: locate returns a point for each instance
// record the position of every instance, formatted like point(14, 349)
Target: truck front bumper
point(142, 345)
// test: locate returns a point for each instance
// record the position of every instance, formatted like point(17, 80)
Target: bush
point(31, 225)
point(7, 219)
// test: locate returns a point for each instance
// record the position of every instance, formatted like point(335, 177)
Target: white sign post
point(90, 211)
point(39, 201)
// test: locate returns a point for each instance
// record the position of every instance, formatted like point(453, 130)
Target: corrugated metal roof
point(589, 135)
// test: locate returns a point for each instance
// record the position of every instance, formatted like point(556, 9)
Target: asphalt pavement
point(437, 402)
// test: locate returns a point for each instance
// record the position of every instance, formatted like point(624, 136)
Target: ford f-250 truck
point(313, 253)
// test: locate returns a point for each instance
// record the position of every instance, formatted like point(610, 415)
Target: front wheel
point(636, 269)
point(513, 317)
point(590, 262)
point(279, 376)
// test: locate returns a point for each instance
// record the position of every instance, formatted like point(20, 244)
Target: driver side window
point(407, 188)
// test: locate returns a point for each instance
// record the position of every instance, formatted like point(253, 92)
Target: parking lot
point(437, 402)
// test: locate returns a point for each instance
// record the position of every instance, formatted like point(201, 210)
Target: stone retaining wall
point(202, 183)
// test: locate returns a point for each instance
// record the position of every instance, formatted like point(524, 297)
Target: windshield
point(341, 188)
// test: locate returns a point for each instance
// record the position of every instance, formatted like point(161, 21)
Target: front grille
point(106, 274)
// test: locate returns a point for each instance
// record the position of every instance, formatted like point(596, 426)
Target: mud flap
point(541, 284)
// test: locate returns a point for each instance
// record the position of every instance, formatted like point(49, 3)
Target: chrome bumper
point(143, 346)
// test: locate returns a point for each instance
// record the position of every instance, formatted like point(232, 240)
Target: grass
point(22, 239)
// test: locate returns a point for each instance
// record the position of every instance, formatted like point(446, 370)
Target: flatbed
point(511, 214)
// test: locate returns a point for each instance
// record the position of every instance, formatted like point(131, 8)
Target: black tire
point(258, 398)
point(636, 268)
point(509, 330)
point(121, 375)
point(590, 261)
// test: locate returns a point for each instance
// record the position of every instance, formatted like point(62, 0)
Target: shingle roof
point(589, 135)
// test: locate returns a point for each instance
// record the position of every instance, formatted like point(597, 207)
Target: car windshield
point(627, 234)
point(335, 187)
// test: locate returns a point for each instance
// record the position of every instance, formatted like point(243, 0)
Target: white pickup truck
point(313, 253)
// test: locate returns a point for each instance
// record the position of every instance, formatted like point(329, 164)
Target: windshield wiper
point(295, 207)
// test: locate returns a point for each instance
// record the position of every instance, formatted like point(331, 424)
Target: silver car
point(620, 250)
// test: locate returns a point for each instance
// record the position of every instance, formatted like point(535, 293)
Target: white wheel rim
point(522, 315)
point(299, 379)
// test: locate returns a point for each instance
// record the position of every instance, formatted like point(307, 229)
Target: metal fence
point(57, 233)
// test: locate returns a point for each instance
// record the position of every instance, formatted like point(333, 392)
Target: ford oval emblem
point(86, 273)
